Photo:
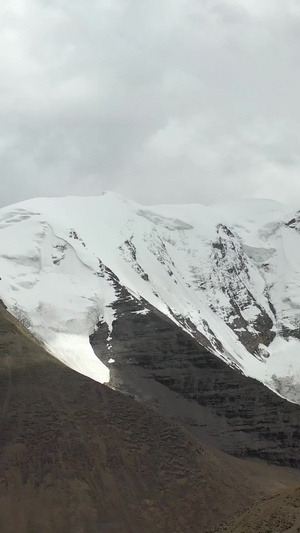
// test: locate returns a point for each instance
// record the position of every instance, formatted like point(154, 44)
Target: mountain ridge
point(228, 276)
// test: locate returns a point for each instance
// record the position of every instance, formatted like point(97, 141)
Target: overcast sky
point(159, 100)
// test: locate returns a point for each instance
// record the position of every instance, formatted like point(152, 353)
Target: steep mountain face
point(162, 366)
point(228, 276)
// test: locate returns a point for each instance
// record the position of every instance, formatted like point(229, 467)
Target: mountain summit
point(228, 275)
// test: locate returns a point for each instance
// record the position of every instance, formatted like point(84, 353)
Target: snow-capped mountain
point(229, 275)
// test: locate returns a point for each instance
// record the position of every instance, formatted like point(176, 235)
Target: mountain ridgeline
point(228, 275)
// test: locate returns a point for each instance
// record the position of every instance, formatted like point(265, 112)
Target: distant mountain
point(228, 275)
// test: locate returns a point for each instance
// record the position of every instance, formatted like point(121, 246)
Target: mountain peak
point(227, 274)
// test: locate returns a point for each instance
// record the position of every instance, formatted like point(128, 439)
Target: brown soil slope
point(279, 514)
point(77, 456)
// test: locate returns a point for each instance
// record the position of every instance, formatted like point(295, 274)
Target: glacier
point(228, 274)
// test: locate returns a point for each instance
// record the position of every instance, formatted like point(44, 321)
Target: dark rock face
point(238, 414)
point(229, 251)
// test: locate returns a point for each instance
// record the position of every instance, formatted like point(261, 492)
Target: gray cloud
point(172, 101)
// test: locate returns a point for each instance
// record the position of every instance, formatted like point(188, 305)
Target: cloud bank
point(171, 101)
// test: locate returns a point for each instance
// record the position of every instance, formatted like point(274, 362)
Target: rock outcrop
point(236, 412)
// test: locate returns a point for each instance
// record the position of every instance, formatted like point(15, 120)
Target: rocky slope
point(230, 411)
point(77, 456)
point(279, 514)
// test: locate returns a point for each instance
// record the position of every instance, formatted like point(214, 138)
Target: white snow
point(220, 267)
point(76, 352)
